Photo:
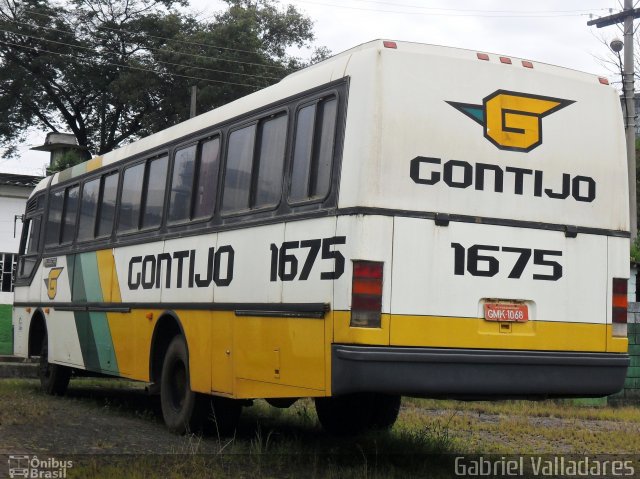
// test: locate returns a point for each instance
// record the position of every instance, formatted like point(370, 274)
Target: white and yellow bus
point(400, 219)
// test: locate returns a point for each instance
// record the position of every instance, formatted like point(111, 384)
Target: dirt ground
point(99, 417)
point(90, 419)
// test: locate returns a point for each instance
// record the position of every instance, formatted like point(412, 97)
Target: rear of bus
point(484, 199)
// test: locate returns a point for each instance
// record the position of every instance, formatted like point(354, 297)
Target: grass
point(274, 442)
point(560, 408)
point(554, 426)
point(14, 409)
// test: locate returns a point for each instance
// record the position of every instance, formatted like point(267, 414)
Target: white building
point(14, 191)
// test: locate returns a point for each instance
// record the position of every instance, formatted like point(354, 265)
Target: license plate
point(506, 312)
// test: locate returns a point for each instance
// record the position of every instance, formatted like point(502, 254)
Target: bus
point(398, 220)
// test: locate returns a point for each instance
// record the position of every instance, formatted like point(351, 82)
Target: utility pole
point(194, 94)
point(627, 16)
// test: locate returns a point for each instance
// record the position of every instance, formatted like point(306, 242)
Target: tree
point(116, 70)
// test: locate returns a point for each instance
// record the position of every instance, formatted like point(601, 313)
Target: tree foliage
point(116, 70)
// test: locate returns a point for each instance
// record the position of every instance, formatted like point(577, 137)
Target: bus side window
point(237, 178)
point(88, 209)
point(313, 150)
point(154, 192)
point(130, 198)
point(184, 164)
point(107, 211)
point(54, 218)
point(33, 235)
point(273, 136)
point(207, 178)
point(70, 214)
point(253, 177)
point(28, 246)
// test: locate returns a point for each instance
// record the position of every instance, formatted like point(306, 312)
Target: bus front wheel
point(54, 378)
point(182, 409)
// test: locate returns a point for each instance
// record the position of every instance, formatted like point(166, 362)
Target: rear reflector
point(388, 44)
point(506, 60)
point(482, 56)
point(619, 307)
point(527, 64)
point(366, 294)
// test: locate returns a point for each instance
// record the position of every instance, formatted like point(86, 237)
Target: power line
point(476, 11)
point(163, 50)
point(255, 87)
point(120, 30)
point(429, 14)
point(157, 61)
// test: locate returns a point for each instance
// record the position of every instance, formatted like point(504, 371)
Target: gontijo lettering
point(519, 181)
point(150, 270)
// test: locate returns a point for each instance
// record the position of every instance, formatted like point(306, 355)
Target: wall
point(632, 383)
point(12, 202)
point(8, 209)
point(6, 338)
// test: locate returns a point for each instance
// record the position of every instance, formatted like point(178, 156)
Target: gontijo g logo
point(512, 120)
point(52, 282)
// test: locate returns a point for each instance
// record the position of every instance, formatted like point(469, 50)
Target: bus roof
point(321, 73)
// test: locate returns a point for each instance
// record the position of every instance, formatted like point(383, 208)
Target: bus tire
point(54, 378)
point(223, 416)
point(385, 410)
point(345, 415)
point(182, 409)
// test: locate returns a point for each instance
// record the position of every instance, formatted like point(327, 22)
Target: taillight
point(366, 294)
point(620, 303)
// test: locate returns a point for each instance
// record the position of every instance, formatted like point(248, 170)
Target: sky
point(549, 31)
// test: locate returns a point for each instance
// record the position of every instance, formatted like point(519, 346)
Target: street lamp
point(616, 45)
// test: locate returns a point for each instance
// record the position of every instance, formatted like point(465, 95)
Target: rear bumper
point(475, 373)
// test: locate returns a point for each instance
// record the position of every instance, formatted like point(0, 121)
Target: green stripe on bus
point(95, 342)
point(102, 338)
point(90, 277)
point(79, 169)
point(94, 334)
point(78, 293)
point(64, 175)
point(88, 344)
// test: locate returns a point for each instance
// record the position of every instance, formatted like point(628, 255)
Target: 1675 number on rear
point(488, 260)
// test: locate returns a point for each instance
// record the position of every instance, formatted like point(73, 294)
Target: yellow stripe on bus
point(94, 163)
point(108, 276)
point(477, 333)
point(131, 335)
point(245, 357)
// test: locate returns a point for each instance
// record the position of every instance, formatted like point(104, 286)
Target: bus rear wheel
point(54, 379)
point(182, 409)
point(352, 414)
point(386, 408)
point(345, 415)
